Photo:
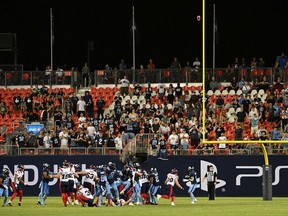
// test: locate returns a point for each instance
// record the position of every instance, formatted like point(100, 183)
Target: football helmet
point(93, 167)
point(5, 171)
point(174, 171)
point(46, 165)
point(190, 168)
point(20, 166)
point(65, 163)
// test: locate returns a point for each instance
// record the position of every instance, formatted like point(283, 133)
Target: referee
point(211, 181)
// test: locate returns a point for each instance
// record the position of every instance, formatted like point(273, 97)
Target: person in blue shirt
point(275, 134)
point(5, 183)
point(44, 185)
point(191, 182)
point(281, 63)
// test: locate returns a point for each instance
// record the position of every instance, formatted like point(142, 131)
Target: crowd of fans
point(241, 111)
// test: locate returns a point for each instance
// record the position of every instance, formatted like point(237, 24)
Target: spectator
point(170, 94)
point(137, 89)
point(74, 99)
point(239, 132)
point(155, 126)
point(222, 146)
point(17, 101)
point(281, 63)
point(152, 74)
point(219, 102)
point(124, 86)
point(64, 138)
point(278, 85)
point(214, 85)
point(161, 90)
point(118, 143)
point(154, 145)
point(59, 74)
point(85, 75)
point(122, 65)
point(82, 121)
point(175, 69)
point(3, 109)
point(162, 154)
point(89, 104)
point(35, 91)
point(173, 140)
point(196, 66)
point(275, 134)
point(254, 123)
point(81, 106)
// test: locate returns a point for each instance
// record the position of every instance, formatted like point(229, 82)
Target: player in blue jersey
point(191, 181)
point(5, 183)
point(44, 185)
point(154, 186)
point(136, 195)
point(102, 184)
point(111, 177)
point(125, 179)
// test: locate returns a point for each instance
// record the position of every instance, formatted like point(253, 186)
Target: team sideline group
point(129, 186)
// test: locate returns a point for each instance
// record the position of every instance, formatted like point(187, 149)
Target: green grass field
point(222, 206)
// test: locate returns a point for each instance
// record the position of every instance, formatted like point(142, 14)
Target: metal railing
point(98, 77)
point(142, 145)
point(13, 150)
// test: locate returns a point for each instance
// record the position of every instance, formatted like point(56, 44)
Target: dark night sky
point(247, 28)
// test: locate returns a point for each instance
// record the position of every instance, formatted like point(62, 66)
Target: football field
point(222, 206)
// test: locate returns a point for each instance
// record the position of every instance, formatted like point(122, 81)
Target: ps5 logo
point(258, 173)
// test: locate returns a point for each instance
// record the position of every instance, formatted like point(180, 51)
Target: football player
point(17, 190)
point(191, 180)
point(111, 177)
point(102, 184)
point(44, 185)
point(90, 178)
point(5, 183)
point(84, 196)
point(136, 196)
point(154, 186)
point(64, 174)
point(170, 182)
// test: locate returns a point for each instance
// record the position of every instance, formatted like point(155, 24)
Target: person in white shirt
point(82, 121)
point(47, 140)
point(81, 106)
point(118, 143)
point(124, 86)
point(91, 130)
point(173, 140)
point(161, 90)
point(196, 65)
point(64, 136)
point(222, 146)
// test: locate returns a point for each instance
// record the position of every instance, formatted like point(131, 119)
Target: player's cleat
point(19, 204)
point(122, 192)
point(158, 196)
point(83, 206)
point(3, 205)
point(172, 204)
point(73, 203)
point(9, 204)
point(38, 203)
point(192, 202)
point(195, 200)
point(131, 204)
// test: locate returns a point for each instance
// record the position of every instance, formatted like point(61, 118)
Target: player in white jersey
point(84, 196)
point(17, 190)
point(171, 180)
point(72, 185)
point(90, 178)
point(64, 174)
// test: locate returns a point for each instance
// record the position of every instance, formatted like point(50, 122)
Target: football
point(198, 18)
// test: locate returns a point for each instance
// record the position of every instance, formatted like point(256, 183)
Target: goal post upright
point(267, 169)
